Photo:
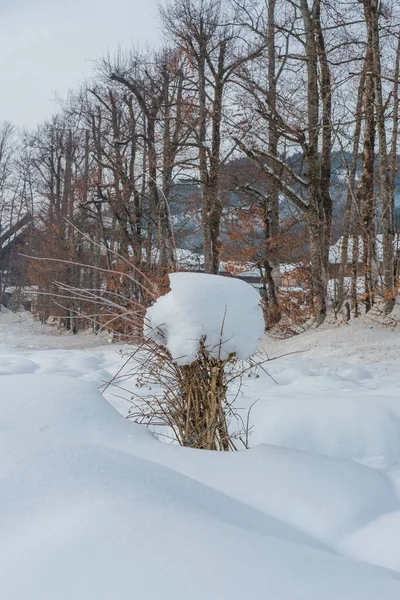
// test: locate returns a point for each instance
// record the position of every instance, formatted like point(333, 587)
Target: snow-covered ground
point(93, 507)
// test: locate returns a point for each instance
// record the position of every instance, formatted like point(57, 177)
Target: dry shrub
point(188, 404)
point(296, 313)
point(112, 295)
point(125, 297)
point(42, 307)
point(272, 315)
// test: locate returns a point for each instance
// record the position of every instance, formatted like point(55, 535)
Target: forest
point(258, 139)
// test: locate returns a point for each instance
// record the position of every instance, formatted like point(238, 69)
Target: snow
point(94, 507)
point(224, 312)
point(337, 395)
point(377, 542)
point(335, 250)
point(187, 259)
point(347, 284)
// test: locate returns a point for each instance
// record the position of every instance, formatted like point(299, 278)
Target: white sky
point(47, 47)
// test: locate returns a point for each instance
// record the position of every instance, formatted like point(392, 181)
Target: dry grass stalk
point(200, 416)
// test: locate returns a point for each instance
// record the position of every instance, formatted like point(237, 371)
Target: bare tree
point(310, 190)
point(206, 32)
point(149, 83)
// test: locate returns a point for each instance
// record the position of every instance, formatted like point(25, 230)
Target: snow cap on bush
point(222, 311)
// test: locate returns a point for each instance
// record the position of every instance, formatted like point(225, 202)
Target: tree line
point(244, 104)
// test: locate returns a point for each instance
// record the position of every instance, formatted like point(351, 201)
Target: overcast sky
point(48, 46)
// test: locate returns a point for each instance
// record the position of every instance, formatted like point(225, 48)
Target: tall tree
point(310, 190)
point(207, 33)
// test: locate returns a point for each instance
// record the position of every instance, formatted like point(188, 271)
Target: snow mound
point(94, 508)
point(378, 542)
point(222, 311)
point(361, 429)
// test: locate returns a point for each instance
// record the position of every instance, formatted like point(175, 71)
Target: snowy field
point(94, 507)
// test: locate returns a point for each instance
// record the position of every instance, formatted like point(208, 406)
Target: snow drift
point(93, 507)
point(222, 311)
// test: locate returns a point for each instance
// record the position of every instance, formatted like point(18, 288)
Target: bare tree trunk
point(271, 221)
point(209, 174)
point(344, 258)
point(393, 153)
point(318, 165)
point(355, 268)
point(366, 189)
point(386, 192)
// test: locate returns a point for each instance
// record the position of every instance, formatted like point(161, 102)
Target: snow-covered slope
point(95, 508)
